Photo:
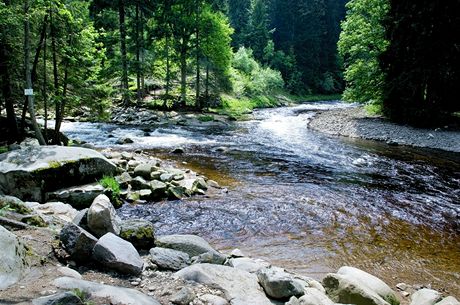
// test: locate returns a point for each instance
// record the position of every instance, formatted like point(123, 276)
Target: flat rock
point(425, 297)
point(248, 264)
point(77, 242)
point(79, 197)
point(240, 287)
point(67, 298)
point(449, 301)
point(213, 257)
point(169, 259)
point(139, 232)
point(13, 262)
point(191, 244)
point(183, 297)
point(118, 254)
point(116, 295)
point(279, 284)
point(102, 217)
point(29, 173)
point(58, 210)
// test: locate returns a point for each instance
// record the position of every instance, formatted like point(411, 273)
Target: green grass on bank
point(240, 108)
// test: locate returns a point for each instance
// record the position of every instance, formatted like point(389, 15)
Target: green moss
point(392, 299)
point(139, 234)
point(35, 221)
point(54, 164)
point(113, 189)
point(206, 118)
point(3, 149)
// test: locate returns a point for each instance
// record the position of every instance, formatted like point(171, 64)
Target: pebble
point(401, 286)
point(135, 283)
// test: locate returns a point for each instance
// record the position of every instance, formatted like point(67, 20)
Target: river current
point(306, 201)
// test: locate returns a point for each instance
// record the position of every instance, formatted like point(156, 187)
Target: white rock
point(102, 217)
point(65, 271)
point(314, 297)
point(449, 301)
point(425, 297)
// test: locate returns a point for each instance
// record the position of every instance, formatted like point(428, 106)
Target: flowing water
point(306, 201)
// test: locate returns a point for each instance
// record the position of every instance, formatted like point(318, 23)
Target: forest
point(399, 58)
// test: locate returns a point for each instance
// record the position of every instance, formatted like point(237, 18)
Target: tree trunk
point(55, 63)
point(207, 82)
point(45, 91)
point(168, 67)
point(124, 56)
point(142, 53)
point(13, 135)
point(138, 56)
point(28, 75)
point(61, 112)
point(197, 46)
point(183, 72)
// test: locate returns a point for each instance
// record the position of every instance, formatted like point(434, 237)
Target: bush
point(113, 189)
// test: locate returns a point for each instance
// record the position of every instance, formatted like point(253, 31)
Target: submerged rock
point(13, 262)
point(118, 254)
point(29, 173)
point(238, 286)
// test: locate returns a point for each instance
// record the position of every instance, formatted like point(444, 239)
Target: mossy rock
point(35, 220)
point(15, 205)
point(139, 232)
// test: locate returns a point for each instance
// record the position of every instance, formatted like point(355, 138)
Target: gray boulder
point(449, 301)
point(213, 257)
point(248, 264)
point(191, 244)
point(118, 254)
point(346, 290)
point(425, 297)
point(279, 284)
point(61, 212)
point(314, 297)
point(115, 295)
point(169, 259)
point(210, 299)
point(79, 197)
point(102, 217)
point(29, 173)
point(140, 183)
point(13, 262)
point(14, 204)
point(143, 170)
point(67, 298)
point(183, 297)
point(158, 188)
point(139, 232)
point(124, 179)
point(239, 287)
point(77, 242)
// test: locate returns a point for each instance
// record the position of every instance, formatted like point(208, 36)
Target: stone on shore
point(67, 298)
point(61, 212)
point(183, 297)
point(29, 173)
point(102, 217)
point(248, 264)
point(118, 254)
point(77, 242)
point(314, 297)
point(240, 287)
point(191, 244)
point(13, 262)
point(79, 197)
point(143, 170)
point(169, 259)
point(139, 232)
point(425, 297)
point(279, 284)
point(116, 295)
point(213, 257)
point(449, 301)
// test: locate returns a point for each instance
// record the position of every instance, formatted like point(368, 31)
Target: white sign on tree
point(28, 92)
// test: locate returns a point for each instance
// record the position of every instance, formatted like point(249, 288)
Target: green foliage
point(206, 118)
point(113, 188)
point(392, 300)
point(3, 149)
point(361, 43)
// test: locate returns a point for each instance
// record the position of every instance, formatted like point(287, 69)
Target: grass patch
point(392, 300)
point(373, 108)
point(113, 189)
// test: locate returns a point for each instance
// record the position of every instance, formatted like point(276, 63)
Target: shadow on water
point(310, 202)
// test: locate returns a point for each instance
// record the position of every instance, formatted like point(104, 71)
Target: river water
point(309, 202)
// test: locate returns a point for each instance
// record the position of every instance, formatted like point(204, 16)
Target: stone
point(102, 217)
point(191, 244)
point(124, 179)
point(425, 297)
point(81, 219)
point(210, 299)
point(346, 290)
point(210, 258)
point(29, 173)
point(279, 284)
point(214, 184)
point(156, 175)
point(145, 194)
point(238, 286)
point(79, 197)
point(61, 212)
point(402, 286)
point(236, 253)
point(166, 177)
point(248, 264)
point(176, 192)
point(77, 242)
point(143, 170)
point(140, 183)
point(313, 296)
point(178, 150)
point(34, 220)
point(169, 259)
point(183, 297)
point(118, 254)
point(366, 279)
point(139, 232)
point(201, 184)
point(13, 262)
point(115, 295)
point(293, 301)
point(449, 301)
point(67, 298)
point(15, 204)
point(158, 188)
point(66, 271)
point(122, 141)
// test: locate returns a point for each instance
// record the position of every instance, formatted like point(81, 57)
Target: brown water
point(308, 202)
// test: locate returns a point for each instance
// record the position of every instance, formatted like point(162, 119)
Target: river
point(309, 202)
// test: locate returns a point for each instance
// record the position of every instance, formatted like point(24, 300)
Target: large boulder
point(67, 298)
point(60, 212)
point(248, 264)
point(425, 297)
point(279, 284)
point(191, 244)
point(139, 232)
point(169, 259)
point(29, 173)
point(102, 217)
point(314, 297)
point(79, 197)
point(13, 262)
point(115, 295)
point(449, 301)
point(77, 242)
point(240, 287)
point(118, 254)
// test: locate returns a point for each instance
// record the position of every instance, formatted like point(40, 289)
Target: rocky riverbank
point(357, 123)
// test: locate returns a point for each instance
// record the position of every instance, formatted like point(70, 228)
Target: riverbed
point(307, 201)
